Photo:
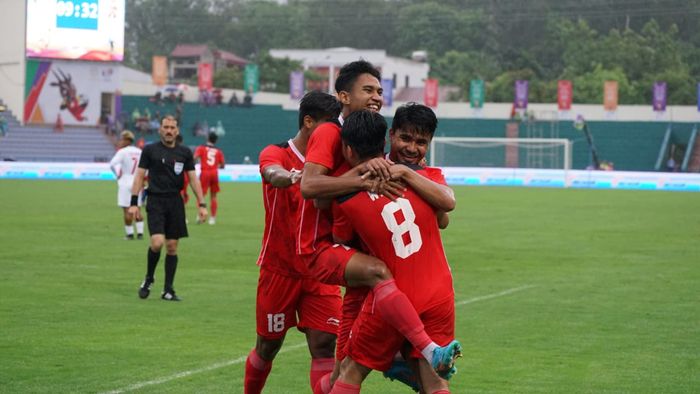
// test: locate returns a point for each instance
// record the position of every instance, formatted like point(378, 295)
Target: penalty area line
point(183, 374)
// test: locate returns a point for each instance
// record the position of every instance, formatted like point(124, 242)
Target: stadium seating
point(41, 143)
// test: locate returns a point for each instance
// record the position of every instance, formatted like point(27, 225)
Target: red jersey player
point(404, 233)
point(287, 294)
point(210, 160)
point(358, 88)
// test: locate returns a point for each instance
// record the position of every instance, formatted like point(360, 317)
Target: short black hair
point(318, 105)
point(365, 132)
point(416, 118)
point(349, 73)
point(212, 137)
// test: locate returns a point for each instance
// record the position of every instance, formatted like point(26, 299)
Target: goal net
point(547, 153)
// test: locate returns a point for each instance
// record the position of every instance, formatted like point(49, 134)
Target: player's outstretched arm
point(279, 177)
point(316, 184)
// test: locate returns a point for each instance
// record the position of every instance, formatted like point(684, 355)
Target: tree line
point(635, 42)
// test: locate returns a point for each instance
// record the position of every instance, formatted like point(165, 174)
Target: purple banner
point(521, 88)
point(388, 94)
point(659, 98)
point(296, 85)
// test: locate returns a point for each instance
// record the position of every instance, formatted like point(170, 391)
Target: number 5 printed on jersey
point(409, 226)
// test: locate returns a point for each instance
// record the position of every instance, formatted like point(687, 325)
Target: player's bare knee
point(321, 344)
point(267, 349)
point(378, 271)
point(171, 246)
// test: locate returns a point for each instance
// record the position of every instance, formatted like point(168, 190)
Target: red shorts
point(374, 343)
point(352, 305)
point(327, 263)
point(281, 298)
point(209, 180)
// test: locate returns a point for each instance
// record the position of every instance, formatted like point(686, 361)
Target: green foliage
point(465, 39)
point(274, 73)
point(231, 78)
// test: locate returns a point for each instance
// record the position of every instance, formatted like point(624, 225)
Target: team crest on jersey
point(178, 167)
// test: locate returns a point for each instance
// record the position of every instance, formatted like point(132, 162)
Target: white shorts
point(124, 197)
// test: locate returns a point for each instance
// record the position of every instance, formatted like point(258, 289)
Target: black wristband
point(202, 205)
point(134, 200)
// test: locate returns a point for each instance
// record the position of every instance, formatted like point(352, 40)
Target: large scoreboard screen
point(78, 29)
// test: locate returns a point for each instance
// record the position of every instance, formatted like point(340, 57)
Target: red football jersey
point(281, 204)
point(210, 157)
point(324, 148)
point(404, 234)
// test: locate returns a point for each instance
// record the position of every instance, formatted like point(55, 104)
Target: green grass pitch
point(557, 291)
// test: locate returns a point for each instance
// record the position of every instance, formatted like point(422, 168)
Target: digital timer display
point(77, 14)
point(75, 29)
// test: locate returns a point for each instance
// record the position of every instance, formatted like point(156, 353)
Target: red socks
point(398, 311)
point(214, 207)
point(256, 372)
point(319, 368)
point(323, 385)
point(341, 387)
point(441, 392)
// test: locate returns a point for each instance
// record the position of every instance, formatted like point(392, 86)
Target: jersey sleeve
point(271, 155)
point(115, 163)
point(434, 174)
point(220, 156)
point(323, 145)
point(198, 152)
point(189, 160)
point(145, 160)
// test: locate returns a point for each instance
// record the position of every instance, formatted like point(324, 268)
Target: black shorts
point(166, 215)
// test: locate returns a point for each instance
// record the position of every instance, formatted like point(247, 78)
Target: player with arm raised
point(404, 234)
point(287, 294)
point(210, 159)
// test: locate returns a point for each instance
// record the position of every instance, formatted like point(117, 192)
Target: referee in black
point(167, 162)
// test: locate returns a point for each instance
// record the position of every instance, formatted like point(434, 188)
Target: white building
point(405, 73)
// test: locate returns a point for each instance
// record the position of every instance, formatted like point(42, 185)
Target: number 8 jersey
point(404, 234)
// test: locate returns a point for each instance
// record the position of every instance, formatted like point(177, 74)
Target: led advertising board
point(76, 30)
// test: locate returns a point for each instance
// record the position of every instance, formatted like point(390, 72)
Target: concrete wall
point(12, 63)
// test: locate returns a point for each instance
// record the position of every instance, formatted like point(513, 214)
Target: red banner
point(565, 93)
point(205, 77)
point(430, 91)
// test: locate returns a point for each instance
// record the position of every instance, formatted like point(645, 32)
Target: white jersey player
point(124, 164)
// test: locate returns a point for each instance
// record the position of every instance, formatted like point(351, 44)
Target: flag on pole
point(659, 96)
point(431, 92)
point(565, 93)
point(521, 93)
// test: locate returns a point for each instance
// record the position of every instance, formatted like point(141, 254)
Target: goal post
point(546, 153)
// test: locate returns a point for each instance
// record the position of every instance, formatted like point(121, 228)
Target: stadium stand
point(41, 143)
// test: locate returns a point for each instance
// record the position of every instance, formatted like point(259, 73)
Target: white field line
point(495, 295)
point(242, 359)
point(212, 367)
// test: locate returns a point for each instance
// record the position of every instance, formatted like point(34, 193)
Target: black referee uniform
point(167, 168)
